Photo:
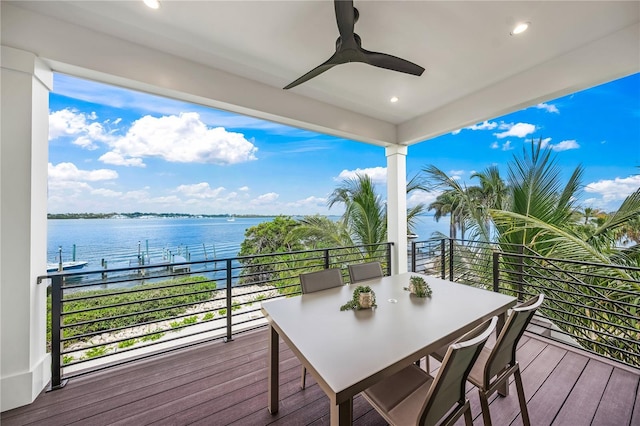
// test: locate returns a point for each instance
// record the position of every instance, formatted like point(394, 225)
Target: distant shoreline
point(139, 215)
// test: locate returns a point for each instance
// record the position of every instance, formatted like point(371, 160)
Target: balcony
point(574, 371)
point(226, 383)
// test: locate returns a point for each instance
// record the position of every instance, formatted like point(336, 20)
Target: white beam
point(24, 365)
point(397, 206)
point(601, 61)
point(85, 53)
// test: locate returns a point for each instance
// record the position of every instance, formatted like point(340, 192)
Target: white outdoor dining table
point(348, 351)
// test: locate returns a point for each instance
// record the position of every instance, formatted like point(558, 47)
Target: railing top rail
point(198, 262)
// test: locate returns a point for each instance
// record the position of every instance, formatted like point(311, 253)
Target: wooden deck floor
point(225, 383)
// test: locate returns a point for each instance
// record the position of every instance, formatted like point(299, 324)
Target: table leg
point(342, 414)
point(503, 390)
point(274, 370)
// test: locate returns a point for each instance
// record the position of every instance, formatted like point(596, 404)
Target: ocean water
point(119, 241)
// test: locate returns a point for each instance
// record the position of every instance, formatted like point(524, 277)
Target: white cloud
point(309, 203)
point(485, 125)
point(616, 189)
point(267, 198)
point(117, 159)
point(243, 189)
point(69, 172)
point(519, 130)
point(506, 146)
point(560, 146)
point(81, 126)
point(424, 197)
point(565, 145)
point(183, 138)
point(200, 190)
point(548, 107)
point(106, 192)
point(456, 174)
point(377, 174)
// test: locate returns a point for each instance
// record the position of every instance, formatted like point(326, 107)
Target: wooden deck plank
point(147, 383)
point(549, 399)
point(635, 418)
point(187, 396)
point(583, 401)
point(225, 384)
point(616, 405)
point(133, 376)
point(505, 410)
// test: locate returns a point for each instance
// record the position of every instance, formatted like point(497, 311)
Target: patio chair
point(317, 281)
point(495, 365)
point(413, 397)
point(364, 271)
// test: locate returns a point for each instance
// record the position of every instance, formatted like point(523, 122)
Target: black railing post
point(496, 271)
point(450, 259)
point(443, 260)
point(229, 302)
point(389, 258)
point(56, 334)
point(520, 271)
point(326, 259)
point(413, 256)
point(496, 288)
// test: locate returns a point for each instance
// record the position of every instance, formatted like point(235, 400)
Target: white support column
point(24, 363)
point(397, 206)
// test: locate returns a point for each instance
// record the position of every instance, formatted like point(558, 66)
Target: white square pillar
point(397, 206)
point(24, 363)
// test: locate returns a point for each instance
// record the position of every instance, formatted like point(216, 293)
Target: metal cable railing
point(591, 305)
point(104, 318)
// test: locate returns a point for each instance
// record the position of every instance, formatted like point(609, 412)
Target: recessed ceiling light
point(520, 28)
point(153, 4)
point(393, 99)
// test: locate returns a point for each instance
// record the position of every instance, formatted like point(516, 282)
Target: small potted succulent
point(419, 287)
point(363, 298)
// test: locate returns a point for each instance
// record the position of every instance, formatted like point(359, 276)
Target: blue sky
point(116, 150)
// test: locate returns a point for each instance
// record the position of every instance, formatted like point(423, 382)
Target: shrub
point(127, 343)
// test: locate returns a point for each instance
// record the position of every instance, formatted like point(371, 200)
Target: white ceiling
point(474, 68)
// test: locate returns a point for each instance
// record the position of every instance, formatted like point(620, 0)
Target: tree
point(266, 238)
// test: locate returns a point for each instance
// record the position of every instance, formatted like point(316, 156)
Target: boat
point(231, 219)
point(53, 267)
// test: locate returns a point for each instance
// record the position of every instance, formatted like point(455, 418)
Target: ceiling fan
point(349, 48)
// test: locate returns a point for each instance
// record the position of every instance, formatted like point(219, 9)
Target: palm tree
point(447, 204)
point(364, 221)
point(461, 202)
point(494, 191)
point(365, 211)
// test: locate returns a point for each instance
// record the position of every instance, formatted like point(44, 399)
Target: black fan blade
point(345, 17)
point(316, 71)
point(391, 62)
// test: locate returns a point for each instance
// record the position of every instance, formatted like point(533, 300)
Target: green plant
point(260, 297)
point(175, 324)
point(420, 286)
point(235, 306)
point(208, 316)
point(96, 351)
point(67, 359)
point(222, 312)
point(190, 320)
point(102, 310)
point(151, 337)
point(354, 303)
point(127, 343)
